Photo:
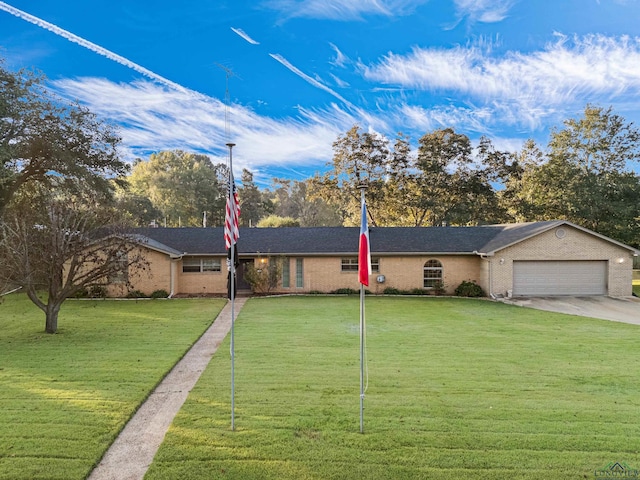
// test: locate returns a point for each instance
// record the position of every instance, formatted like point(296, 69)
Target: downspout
point(485, 256)
point(172, 275)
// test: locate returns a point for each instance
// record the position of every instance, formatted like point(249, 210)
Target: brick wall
point(573, 245)
point(322, 274)
point(203, 283)
point(325, 274)
point(157, 276)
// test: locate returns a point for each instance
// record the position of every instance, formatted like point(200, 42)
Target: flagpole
point(232, 270)
point(361, 358)
point(362, 188)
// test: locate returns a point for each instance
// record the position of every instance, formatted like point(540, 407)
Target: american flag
point(232, 214)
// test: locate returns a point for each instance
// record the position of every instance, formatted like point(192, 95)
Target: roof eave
point(355, 253)
point(556, 224)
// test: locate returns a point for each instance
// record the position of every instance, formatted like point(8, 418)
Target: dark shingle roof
point(516, 232)
point(344, 240)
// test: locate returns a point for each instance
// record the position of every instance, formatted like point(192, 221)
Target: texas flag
point(364, 253)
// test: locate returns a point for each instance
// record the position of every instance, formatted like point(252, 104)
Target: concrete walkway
point(131, 454)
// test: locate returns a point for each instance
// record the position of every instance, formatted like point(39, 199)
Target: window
point(351, 264)
point(120, 272)
point(299, 273)
point(375, 264)
point(432, 274)
point(286, 273)
point(190, 265)
point(210, 265)
point(200, 264)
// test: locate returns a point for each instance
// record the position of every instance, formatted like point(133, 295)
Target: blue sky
point(303, 72)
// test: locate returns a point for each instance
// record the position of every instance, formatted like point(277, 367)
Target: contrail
point(312, 81)
point(146, 72)
point(245, 35)
point(91, 46)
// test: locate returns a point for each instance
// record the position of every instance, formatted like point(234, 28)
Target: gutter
point(486, 256)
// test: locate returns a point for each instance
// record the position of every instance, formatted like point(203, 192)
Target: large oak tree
point(45, 139)
point(59, 166)
point(54, 244)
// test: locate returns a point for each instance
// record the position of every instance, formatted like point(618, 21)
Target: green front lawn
point(65, 397)
point(458, 389)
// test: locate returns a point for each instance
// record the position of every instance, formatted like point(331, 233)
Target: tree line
point(178, 188)
point(63, 184)
point(585, 174)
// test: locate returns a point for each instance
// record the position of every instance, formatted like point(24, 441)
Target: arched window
point(432, 274)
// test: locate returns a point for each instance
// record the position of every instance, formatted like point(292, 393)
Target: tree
point(275, 221)
point(137, 209)
point(401, 186)
point(254, 204)
point(518, 194)
point(441, 184)
point(358, 158)
point(587, 177)
point(284, 202)
point(181, 185)
point(451, 189)
point(48, 240)
point(483, 203)
point(45, 140)
point(296, 199)
point(54, 245)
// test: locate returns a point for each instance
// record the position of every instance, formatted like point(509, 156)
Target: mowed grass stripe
point(65, 397)
point(458, 388)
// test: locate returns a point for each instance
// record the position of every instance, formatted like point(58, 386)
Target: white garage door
point(545, 278)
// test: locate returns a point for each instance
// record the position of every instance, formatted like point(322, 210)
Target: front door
point(241, 282)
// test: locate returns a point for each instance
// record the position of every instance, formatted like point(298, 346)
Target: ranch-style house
point(524, 259)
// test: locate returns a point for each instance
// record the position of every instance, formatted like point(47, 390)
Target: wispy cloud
point(341, 83)
point(89, 45)
point(486, 11)
point(244, 35)
point(428, 119)
point(481, 90)
point(152, 115)
point(343, 10)
point(307, 78)
point(564, 72)
point(341, 59)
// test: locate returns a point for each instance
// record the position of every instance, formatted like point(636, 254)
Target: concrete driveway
point(625, 309)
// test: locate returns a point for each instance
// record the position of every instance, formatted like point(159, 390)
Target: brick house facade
point(503, 259)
